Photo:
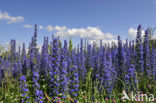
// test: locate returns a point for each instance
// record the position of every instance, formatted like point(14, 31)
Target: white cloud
point(7, 43)
point(154, 36)
point(60, 28)
point(89, 33)
point(27, 26)
point(10, 19)
point(49, 28)
point(18, 42)
point(132, 33)
point(31, 26)
point(40, 27)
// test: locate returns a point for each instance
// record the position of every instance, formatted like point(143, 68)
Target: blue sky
point(90, 19)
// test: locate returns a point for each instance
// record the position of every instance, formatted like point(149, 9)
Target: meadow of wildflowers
point(87, 73)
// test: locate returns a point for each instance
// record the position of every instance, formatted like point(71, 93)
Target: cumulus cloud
point(132, 33)
point(154, 36)
point(60, 28)
point(49, 28)
point(7, 43)
point(31, 26)
point(27, 26)
point(10, 19)
point(90, 33)
point(40, 27)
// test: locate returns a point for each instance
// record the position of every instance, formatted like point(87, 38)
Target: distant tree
point(70, 46)
point(151, 34)
point(35, 36)
point(1, 49)
point(60, 44)
point(151, 31)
